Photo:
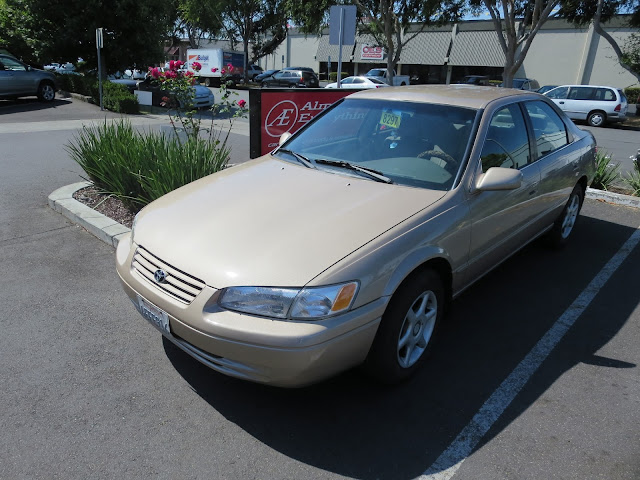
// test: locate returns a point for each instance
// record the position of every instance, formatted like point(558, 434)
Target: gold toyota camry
point(344, 245)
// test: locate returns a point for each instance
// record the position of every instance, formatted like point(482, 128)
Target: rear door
point(555, 154)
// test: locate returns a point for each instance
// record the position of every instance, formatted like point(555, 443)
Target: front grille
point(178, 284)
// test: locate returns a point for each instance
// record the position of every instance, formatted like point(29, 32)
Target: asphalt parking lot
point(90, 390)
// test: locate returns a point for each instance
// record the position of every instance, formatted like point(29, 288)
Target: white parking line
point(451, 459)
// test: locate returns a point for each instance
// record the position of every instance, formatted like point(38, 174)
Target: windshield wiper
point(302, 159)
point(375, 174)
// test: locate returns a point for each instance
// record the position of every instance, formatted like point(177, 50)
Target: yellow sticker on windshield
point(390, 120)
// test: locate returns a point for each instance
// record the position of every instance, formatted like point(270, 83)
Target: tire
point(264, 85)
point(408, 328)
point(597, 119)
point(46, 92)
point(208, 82)
point(563, 226)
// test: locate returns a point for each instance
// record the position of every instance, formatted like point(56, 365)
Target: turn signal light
point(618, 107)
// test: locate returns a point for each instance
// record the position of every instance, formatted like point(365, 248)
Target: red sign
point(282, 112)
point(372, 53)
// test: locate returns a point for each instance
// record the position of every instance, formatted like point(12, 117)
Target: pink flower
point(171, 74)
point(241, 103)
point(154, 72)
point(223, 71)
point(196, 66)
point(179, 64)
point(214, 69)
point(172, 65)
point(229, 66)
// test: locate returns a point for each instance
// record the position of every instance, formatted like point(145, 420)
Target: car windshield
point(414, 144)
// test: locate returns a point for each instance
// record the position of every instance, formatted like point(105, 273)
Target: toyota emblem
point(160, 276)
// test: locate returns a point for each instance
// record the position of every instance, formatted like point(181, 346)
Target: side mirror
point(499, 178)
point(284, 137)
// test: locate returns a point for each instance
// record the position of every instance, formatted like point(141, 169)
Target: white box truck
point(216, 59)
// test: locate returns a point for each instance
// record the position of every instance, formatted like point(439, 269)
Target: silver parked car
point(344, 245)
point(597, 105)
point(20, 80)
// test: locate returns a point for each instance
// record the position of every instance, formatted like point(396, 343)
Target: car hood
point(271, 223)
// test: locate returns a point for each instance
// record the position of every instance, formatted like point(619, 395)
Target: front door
point(502, 221)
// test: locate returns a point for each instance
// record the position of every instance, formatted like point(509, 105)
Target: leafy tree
point(583, 12)
point(249, 20)
point(134, 30)
point(389, 22)
point(516, 23)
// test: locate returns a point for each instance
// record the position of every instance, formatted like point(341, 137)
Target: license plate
point(156, 316)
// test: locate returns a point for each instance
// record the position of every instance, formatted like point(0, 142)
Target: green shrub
point(606, 172)
point(333, 76)
point(633, 94)
point(633, 179)
point(82, 84)
point(140, 167)
point(117, 98)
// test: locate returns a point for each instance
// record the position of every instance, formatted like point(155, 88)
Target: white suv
point(595, 104)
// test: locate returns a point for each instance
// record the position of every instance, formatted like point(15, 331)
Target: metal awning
point(427, 48)
point(476, 49)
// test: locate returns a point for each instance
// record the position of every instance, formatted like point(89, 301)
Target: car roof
point(470, 96)
point(590, 86)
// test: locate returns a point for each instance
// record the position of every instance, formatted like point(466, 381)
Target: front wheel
point(563, 226)
point(597, 119)
point(408, 328)
point(46, 92)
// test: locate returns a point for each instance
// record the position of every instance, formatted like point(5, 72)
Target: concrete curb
point(106, 229)
point(110, 231)
point(614, 198)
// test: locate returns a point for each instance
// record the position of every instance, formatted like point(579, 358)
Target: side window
point(346, 81)
point(549, 130)
point(358, 80)
point(507, 143)
point(581, 93)
point(558, 93)
point(605, 94)
point(13, 65)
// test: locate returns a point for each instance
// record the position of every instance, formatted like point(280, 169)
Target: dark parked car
point(524, 84)
point(18, 79)
point(546, 88)
point(475, 80)
point(267, 73)
point(304, 69)
point(291, 79)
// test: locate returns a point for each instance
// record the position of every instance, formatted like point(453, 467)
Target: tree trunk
point(597, 26)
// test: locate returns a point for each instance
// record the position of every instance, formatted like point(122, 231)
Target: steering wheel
point(450, 163)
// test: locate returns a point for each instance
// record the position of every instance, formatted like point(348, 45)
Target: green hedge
point(633, 94)
point(76, 83)
point(117, 98)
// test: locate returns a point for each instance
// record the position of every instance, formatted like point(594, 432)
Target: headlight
point(295, 303)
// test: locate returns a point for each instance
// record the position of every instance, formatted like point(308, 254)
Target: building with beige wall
point(560, 54)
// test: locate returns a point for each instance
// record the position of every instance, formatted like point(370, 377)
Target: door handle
point(561, 103)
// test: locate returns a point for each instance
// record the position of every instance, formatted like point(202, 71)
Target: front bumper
point(263, 350)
